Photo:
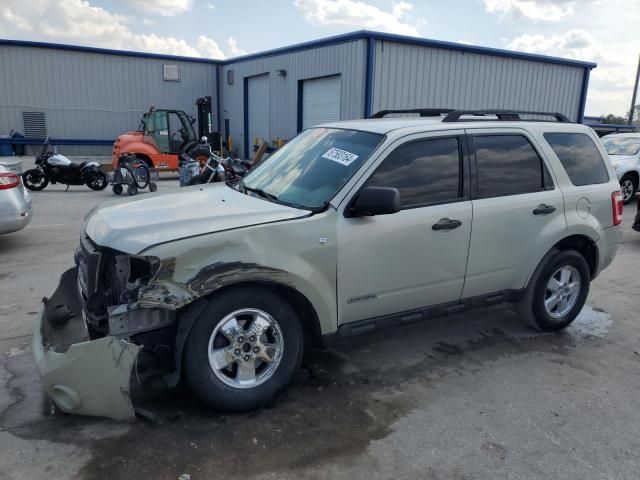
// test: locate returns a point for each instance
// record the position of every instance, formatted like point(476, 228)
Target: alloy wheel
point(245, 348)
point(562, 291)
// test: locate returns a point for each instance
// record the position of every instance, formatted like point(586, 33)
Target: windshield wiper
point(259, 191)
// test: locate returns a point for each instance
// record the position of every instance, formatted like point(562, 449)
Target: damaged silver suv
point(350, 227)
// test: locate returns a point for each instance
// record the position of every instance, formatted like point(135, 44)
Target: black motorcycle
point(56, 168)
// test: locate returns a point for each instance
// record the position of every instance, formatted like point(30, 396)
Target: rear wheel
point(96, 180)
point(557, 291)
point(243, 349)
point(628, 186)
point(35, 179)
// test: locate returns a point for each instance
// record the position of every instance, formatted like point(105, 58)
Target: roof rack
point(503, 115)
point(423, 112)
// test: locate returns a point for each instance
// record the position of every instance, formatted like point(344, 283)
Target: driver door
point(405, 261)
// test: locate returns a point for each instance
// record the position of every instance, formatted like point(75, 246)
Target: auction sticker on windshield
point(341, 156)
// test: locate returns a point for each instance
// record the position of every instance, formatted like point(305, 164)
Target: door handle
point(446, 224)
point(543, 209)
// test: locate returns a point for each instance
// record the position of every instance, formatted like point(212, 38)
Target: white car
point(624, 152)
point(15, 202)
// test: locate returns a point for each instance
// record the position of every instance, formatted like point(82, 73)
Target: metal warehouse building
point(87, 96)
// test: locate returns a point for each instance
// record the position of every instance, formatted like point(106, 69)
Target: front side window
point(579, 157)
point(309, 170)
point(507, 165)
point(424, 172)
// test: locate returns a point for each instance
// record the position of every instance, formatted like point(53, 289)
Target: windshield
point(309, 170)
point(622, 146)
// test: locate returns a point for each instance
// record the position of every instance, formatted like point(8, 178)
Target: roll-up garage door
point(259, 110)
point(320, 101)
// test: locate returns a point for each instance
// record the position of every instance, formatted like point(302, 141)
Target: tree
point(613, 119)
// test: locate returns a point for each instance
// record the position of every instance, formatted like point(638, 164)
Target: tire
point(132, 190)
point(35, 180)
point(96, 181)
point(153, 187)
point(629, 187)
point(222, 388)
point(532, 307)
point(201, 154)
point(117, 189)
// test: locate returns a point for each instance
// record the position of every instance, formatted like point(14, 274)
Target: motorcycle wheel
point(97, 181)
point(35, 179)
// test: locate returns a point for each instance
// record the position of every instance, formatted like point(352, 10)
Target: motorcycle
point(56, 168)
point(216, 168)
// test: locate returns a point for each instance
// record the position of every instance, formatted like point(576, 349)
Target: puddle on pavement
point(339, 402)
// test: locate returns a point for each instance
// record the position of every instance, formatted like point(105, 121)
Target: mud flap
point(82, 376)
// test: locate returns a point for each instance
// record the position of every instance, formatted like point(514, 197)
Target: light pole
point(635, 91)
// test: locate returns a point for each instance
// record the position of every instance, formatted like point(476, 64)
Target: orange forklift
point(165, 134)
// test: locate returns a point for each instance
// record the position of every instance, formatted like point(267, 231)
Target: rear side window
point(425, 172)
point(508, 165)
point(579, 157)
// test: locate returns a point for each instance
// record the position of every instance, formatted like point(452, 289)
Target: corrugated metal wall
point(90, 95)
point(347, 59)
point(410, 76)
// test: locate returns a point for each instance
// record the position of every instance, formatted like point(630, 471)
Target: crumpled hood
point(133, 226)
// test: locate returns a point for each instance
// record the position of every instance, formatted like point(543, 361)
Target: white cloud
point(577, 44)
point(359, 14)
point(234, 50)
point(546, 10)
point(147, 22)
point(166, 8)
point(211, 6)
point(77, 22)
point(208, 47)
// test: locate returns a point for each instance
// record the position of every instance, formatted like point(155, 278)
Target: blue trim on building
point(347, 37)
point(299, 106)
point(106, 51)
point(245, 112)
point(583, 94)
point(55, 141)
point(368, 79)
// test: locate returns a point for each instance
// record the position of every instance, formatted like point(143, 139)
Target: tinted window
point(507, 165)
point(579, 157)
point(424, 172)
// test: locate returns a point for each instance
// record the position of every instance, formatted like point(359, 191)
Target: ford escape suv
point(350, 227)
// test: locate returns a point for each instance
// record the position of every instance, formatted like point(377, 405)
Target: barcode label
point(341, 156)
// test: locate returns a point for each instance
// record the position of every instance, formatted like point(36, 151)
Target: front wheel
point(628, 186)
point(556, 292)
point(243, 349)
point(96, 180)
point(35, 179)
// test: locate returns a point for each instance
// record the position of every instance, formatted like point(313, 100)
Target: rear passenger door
point(518, 212)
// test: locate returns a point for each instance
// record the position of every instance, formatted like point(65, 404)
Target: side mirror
point(375, 201)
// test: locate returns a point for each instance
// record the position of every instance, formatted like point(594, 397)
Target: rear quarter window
point(580, 157)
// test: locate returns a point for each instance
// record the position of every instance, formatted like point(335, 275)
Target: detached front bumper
point(82, 376)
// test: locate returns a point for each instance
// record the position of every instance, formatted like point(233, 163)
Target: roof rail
point(503, 115)
point(424, 112)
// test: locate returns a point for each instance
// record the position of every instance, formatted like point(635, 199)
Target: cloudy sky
point(603, 31)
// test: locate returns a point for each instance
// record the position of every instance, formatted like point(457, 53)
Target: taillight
point(616, 205)
point(9, 180)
